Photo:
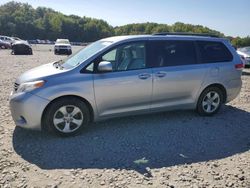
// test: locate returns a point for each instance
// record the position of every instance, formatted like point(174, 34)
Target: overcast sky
point(231, 17)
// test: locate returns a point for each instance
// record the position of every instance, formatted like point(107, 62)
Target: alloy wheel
point(68, 118)
point(211, 102)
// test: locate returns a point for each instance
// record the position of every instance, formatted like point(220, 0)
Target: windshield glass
point(62, 41)
point(84, 54)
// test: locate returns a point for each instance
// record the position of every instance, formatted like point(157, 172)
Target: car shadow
point(154, 141)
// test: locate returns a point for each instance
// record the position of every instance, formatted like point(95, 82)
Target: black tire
point(50, 114)
point(201, 108)
point(30, 52)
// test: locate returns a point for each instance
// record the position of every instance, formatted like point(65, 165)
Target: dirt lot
point(171, 149)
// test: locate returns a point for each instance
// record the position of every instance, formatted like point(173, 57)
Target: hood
point(247, 54)
point(61, 44)
point(39, 73)
point(244, 53)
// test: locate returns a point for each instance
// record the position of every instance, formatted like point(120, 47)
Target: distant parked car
point(32, 41)
point(62, 46)
point(21, 48)
point(38, 41)
point(4, 44)
point(7, 39)
point(245, 54)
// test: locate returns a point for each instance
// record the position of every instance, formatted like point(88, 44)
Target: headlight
point(29, 86)
point(69, 47)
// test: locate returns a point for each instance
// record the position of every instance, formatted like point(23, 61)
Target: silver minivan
point(128, 75)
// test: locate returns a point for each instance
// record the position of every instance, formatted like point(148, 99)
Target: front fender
point(80, 86)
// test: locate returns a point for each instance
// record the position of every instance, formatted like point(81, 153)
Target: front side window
point(212, 52)
point(110, 56)
point(172, 53)
point(126, 57)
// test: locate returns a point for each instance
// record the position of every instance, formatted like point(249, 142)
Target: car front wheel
point(67, 116)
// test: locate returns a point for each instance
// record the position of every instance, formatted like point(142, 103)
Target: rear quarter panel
point(225, 74)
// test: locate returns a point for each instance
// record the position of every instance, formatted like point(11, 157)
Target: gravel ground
point(171, 149)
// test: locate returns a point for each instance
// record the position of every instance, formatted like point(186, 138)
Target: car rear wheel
point(210, 101)
point(67, 116)
point(13, 52)
point(30, 52)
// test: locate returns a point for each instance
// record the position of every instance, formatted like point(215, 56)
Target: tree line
point(22, 20)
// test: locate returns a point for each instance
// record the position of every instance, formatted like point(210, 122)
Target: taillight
point(239, 66)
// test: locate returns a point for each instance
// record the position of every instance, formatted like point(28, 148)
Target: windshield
point(62, 41)
point(84, 54)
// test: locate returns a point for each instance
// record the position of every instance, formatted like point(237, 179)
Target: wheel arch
point(218, 85)
point(91, 110)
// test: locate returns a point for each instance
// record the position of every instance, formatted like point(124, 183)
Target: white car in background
point(7, 39)
point(245, 54)
point(62, 46)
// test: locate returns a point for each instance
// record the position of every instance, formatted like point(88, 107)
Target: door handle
point(160, 74)
point(144, 76)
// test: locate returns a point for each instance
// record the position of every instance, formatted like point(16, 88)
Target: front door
point(128, 88)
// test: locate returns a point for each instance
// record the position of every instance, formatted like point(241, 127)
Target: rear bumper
point(27, 109)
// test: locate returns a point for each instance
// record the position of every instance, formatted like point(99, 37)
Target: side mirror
point(105, 66)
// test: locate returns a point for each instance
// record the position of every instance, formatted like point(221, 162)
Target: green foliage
point(149, 28)
point(22, 20)
point(240, 42)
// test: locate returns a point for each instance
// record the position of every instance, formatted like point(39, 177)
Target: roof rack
point(187, 34)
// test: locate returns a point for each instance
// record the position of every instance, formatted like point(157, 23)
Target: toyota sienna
point(128, 75)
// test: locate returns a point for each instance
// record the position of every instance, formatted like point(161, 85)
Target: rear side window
point(172, 53)
point(212, 52)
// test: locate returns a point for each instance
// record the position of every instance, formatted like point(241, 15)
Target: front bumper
point(63, 51)
point(27, 109)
